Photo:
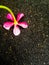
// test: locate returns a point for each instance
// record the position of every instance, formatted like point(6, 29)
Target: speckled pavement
point(31, 47)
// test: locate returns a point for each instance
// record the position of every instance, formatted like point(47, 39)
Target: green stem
point(8, 9)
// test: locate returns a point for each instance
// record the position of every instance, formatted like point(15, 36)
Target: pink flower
point(16, 31)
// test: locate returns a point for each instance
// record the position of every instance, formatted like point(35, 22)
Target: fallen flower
point(16, 23)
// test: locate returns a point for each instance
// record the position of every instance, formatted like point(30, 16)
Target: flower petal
point(9, 16)
point(19, 16)
point(16, 30)
point(23, 24)
point(8, 25)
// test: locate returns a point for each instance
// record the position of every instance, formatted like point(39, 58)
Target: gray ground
point(31, 47)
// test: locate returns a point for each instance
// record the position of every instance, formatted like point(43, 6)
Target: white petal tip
point(16, 31)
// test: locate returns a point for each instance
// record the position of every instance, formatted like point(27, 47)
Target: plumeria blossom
point(16, 31)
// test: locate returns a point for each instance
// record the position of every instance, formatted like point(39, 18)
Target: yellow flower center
point(15, 22)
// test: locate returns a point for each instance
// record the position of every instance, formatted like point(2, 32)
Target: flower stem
point(8, 9)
